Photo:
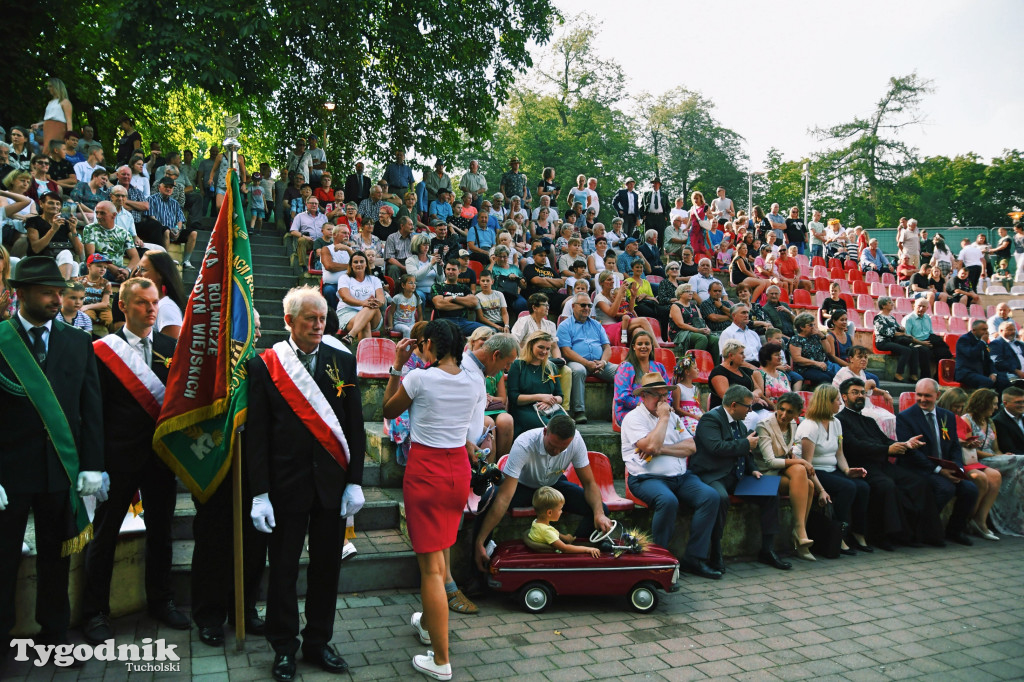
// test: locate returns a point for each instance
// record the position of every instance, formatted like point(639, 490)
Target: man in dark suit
point(134, 359)
point(901, 507)
point(1009, 421)
point(357, 185)
point(974, 368)
point(937, 428)
point(305, 445)
point(654, 208)
point(724, 447)
point(1007, 353)
point(627, 206)
point(33, 474)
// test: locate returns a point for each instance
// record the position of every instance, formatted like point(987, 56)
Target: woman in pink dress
point(700, 219)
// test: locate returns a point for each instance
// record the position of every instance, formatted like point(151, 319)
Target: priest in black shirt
point(902, 507)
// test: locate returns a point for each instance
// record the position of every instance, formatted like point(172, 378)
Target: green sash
point(40, 393)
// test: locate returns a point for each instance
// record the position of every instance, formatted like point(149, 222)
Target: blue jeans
point(817, 250)
point(467, 326)
point(664, 495)
point(330, 292)
point(800, 247)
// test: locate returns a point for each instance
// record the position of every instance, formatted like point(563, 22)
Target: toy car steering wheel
point(597, 536)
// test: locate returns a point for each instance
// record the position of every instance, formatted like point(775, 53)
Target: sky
point(777, 69)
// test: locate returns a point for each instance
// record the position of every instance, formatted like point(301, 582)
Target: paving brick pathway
point(930, 614)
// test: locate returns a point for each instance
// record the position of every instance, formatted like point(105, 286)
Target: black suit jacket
point(872, 446)
point(1008, 434)
point(972, 354)
point(911, 422)
point(621, 202)
point(128, 427)
point(718, 448)
point(357, 188)
point(28, 462)
point(666, 203)
point(282, 457)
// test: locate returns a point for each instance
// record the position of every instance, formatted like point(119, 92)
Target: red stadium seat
point(875, 350)
point(818, 260)
point(836, 273)
point(635, 500)
point(882, 402)
point(654, 280)
point(844, 286)
point(851, 266)
point(835, 263)
point(939, 325)
point(802, 300)
point(656, 326)
point(947, 373)
point(941, 309)
point(854, 275)
point(869, 318)
point(951, 339)
point(865, 303)
point(907, 399)
point(819, 298)
point(977, 311)
point(819, 271)
point(957, 325)
point(313, 257)
point(876, 289)
point(806, 395)
point(618, 355)
point(601, 469)
point(848, 299)
point(888, 278)
point(896, 291)
point(614, 332)
point(821, 283)
point(904, 306)
point(871, 276)
point(667, 358)
point(860, 288)
point(704, 364)
point(374, 357)
point(391, 285)
point(475, 267)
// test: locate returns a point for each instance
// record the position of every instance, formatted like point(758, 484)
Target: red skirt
point(436, 489)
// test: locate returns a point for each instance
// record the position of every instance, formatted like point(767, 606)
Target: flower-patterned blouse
point(886, 327)
point(625, 383)
point(810, 347)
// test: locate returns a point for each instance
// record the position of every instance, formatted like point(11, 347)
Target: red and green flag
point(206, 398)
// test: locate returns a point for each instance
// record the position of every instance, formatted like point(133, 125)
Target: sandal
point(460, 603)
point(347, 340)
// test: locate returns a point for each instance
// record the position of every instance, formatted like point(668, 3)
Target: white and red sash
point(132, 371)
point(306, 400)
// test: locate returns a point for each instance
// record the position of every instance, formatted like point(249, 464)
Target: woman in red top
point(324, 192)
point(789, 270)
point(700, 242)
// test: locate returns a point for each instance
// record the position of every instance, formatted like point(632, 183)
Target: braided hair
point(447, 338)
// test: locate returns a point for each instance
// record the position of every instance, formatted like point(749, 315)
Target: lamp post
point(807, 185)
point(750, 190)
point(329, 106)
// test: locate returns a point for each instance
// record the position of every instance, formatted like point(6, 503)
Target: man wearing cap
point(467, 276)
point(133, 366)
point(357, 185)
point(440, 207)
point(51, 447)
point(585, 347)
point(436, 180)
point(397, 174)
point(104, 237)
point(443, 243)
point(317, 161)
point(627, 205)
point(165, 210)
point(654, 208)
point(655, 450)
point(513, 183)
point(631, 254)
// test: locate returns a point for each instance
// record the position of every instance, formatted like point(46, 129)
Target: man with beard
point(902, 507)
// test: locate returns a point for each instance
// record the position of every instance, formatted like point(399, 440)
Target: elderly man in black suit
point(901, 507)
point(627, 206)
point(654, 208)
point(937, 428)
point(357, 185)
point(46, 464)
point(1009, 421)
point(724, 447)
point(133, 374)
point(305, 446)
point(974, 366)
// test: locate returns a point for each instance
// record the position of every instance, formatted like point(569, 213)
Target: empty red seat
point(888, 278)
point(819, 298)
point(802, 300)
point(374, 357)
point(806, 395)
point(895, 290)
point(476, 267)
point(907, 399)
point(871, 276)
point(876, 289)
point(836, 273)
point(941, 308)
point(704, 364)
point(939, 325)
point(821, 283)
point(860, 287)
point(818, 260)
point(667, 358)
point(835, 263)
point(947, 373)
point(950, 340)
point(882, 402)
point(957, 325)
point(819, 271)
point(601, 468)
point(848, 300)
point(865, 303)
point(904, 306)
point(854, 275)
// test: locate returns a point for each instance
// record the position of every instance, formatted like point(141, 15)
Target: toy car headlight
point(675, 575)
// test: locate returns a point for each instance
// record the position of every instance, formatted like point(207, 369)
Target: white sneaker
point(349, 550)
point(426, 665)
point(420, 630)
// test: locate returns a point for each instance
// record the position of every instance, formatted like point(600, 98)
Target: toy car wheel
point(535, 597)
point(644, 597)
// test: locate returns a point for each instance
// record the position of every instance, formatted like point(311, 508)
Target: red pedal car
point(628, 566)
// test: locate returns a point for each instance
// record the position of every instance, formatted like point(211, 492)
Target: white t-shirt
point(364, 290)
point(971, 255)
point(595, 201)
point(678, 212)
point(491, 304)
point(83, 171)
point(341, 257)
point(526, 325)
point(529, 462)
point(826, 445)
point(599, 314)
point(636, 425)
point(722, 206)
point(167, 314)
point(441, 403)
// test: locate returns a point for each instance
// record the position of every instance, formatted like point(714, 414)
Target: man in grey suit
point(724, 447)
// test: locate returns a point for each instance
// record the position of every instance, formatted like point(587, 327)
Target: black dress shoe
point(772, 559)
point(717, 563)
point(699, 568)
point(960, 538)
point(848, 551)
point(254, 624)
point(212, 636)
point(859, 547)
point(168, 614)
point(97, 629)
point(284, 668)
point(327, 658)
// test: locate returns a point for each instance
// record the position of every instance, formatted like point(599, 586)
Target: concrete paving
point(929, 614)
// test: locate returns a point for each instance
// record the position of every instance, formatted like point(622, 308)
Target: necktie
point(307, 360)
point(38, 347)
point(935, 432)
point(740, 461)
point(656, 204)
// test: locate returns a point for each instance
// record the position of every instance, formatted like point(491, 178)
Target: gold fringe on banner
point(76, 544)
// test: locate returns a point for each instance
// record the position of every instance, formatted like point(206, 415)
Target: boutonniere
point(335, 376)
point(945, 432)
point(166, 361)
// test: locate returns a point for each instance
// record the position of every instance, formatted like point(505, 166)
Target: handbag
point(546, 414)
point(507, 286)
point(826, 531)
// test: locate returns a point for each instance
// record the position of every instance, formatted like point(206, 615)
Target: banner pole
point(236, 490)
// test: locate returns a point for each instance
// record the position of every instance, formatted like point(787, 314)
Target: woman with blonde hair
point(57, 119)
point(821, 443)
point(533, 381)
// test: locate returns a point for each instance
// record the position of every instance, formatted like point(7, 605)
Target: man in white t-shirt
point(540, 457)
point(655, 449)
point(545, 202)
point(971, 256)
point(595, 201)
point(741, 332)
point(721, 207)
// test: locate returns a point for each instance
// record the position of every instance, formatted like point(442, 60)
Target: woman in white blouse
point(821, 443)
point(421, 265)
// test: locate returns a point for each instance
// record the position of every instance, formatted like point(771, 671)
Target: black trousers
point(849, 498)
point(159, 490)
point(966, 494)
point(769, 513)
point(213, 578)
point(658, 222)
point(51, 512)
point(326, 531)
point(974, 274)
point(902, 506)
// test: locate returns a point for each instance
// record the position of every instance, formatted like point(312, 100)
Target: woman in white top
point(159, 268)
point(58, 113)
point(595, 261)
point(436, 482)
point(613, 307)
point(422, 266)
point(140, 175)
point(360, 300)
point(334, 259)
point(821, 443)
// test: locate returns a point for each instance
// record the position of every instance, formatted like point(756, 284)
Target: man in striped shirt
point(166, 211)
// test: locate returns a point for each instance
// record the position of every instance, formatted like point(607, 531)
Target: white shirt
point(552, 213)
point(678, 212)
point(748, 337)
point(971, 255)
point(700, 285)
point(473, 367)
point(124, 219)
point(363, 291)
point(826, 445)
point(595, 202)
point(135, 342)
point(635, 427)
point(661, 202)
point(83, 171)
point(531, 464)
point(46, 336)
point(721, 206)
point(340, 257)
point(440, 403)
point(167, 314)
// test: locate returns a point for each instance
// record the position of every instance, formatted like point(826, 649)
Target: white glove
point(263, 513)
point(89, 482)
point(352, 500)
point(101, 494)
point(3, 498)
